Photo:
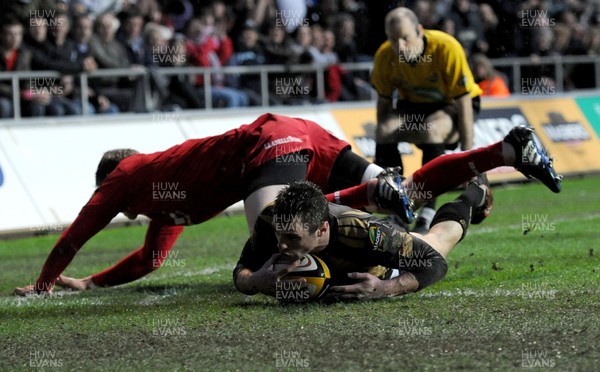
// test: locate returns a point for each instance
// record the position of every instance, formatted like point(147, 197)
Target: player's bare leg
point(442, 237)
point(472, 206)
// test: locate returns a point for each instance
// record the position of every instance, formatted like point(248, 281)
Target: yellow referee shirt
point(440, 74)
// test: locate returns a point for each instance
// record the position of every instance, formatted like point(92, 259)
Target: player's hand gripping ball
point(317, 276)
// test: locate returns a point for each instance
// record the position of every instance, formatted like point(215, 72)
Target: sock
point(473, 195)
point(371, 172)
point(430, 152)
point(458, 210)
point(387, 155)
point(427, 214)
point(353, 197)
point(451, 170)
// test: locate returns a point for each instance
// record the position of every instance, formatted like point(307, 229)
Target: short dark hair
point(10, 20)
point(305, 200)
point(109, 162)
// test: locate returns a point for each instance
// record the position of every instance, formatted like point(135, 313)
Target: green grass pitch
point(522, 291)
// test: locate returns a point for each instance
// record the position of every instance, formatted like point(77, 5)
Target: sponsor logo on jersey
point(281, 141)
point(377, 237)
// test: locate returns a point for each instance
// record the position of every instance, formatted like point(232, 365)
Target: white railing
point(515, 64)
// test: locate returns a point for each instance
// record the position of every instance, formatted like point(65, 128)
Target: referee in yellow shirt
point(437, 95)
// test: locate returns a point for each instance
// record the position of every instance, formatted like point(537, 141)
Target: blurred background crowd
point(74, 36)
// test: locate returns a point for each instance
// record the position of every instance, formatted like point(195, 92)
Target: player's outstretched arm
point(92, 218)
point(371, 287)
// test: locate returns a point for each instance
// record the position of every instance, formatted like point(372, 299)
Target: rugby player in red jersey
point(248, 164)
point(196, 180)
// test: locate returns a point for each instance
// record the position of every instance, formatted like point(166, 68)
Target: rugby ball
point(317, 276)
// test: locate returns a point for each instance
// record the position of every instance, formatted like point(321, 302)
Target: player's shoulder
point(349, 221)
point(439, 40)
point(384, 52)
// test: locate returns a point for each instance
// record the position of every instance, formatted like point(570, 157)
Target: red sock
point(449, 171)
point(353, 197)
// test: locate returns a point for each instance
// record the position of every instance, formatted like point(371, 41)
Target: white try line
point(487, 230)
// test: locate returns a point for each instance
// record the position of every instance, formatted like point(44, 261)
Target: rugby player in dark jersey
point(369, 257)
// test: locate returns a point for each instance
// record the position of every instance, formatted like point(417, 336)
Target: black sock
point(473, 195)
point(458, 210)
point(387, 155)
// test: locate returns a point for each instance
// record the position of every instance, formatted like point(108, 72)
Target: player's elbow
point(434, 271)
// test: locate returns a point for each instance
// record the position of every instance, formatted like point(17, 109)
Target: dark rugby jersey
point(359, 242)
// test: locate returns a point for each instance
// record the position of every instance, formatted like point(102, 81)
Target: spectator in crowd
point(254, 11)
point(177, 14)
point(209, 49)
point(328, 47)
point(105, 49)
point(24, 10)
point(130, 36)
point(126, 92)
point(82, 36)
point(37, 41)
point(302, 44)
point(425, 12)
point(468, 28)
point(362, 21)
point(448, 26)
point(250, 52)
point(321, 50)
point(35, 97)
point(149, 9)
point(491, 81)
point(69, 100)
point(345, 39)
point(97, 7)
point(223, 17)
point(278, 46)
point(354, 83)
point(170, 92)
point(62, 50)
point(182, 94)
point(328, 11)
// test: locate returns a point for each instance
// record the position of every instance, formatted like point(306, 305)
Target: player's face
point(295, 240)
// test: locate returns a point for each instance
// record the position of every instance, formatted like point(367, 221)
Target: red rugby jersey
point(192, 182)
